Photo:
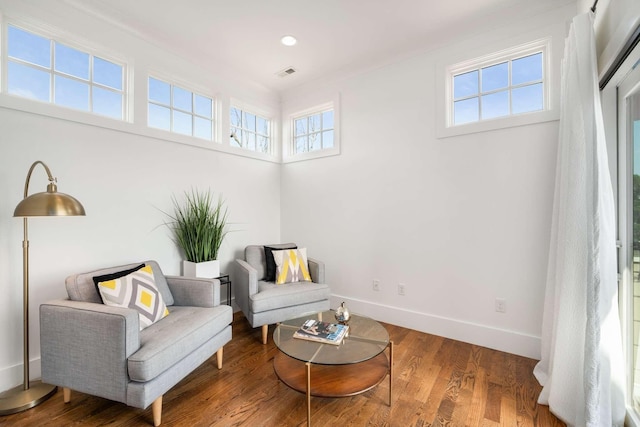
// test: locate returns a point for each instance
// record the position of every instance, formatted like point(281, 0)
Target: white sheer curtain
point(582, 366)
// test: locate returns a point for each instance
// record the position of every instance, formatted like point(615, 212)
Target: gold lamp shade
point(49, 203)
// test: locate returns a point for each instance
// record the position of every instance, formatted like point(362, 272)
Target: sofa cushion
point(136, 290)
point(171, 339)
point(271, 296)
point(291, 266)
point(80, 287)
point(112, 276)
point(255, 257)
point(269, 259)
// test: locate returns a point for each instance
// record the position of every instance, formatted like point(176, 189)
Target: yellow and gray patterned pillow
point(291, 266)
point(136, 290)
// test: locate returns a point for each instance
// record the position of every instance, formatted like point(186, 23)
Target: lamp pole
point(49, 203)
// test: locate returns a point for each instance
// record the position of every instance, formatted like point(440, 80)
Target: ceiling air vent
point(286, 72)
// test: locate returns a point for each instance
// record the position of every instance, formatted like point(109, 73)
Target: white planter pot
point(207, 269)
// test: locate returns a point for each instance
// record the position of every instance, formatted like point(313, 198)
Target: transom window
point(510, 84)
point(45, 70)
point(249, 131)
point(179, 110)
point(313, 132)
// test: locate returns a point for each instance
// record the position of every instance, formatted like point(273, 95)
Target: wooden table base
point(333, 380)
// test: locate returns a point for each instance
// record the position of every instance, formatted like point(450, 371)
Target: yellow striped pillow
point(291, 266)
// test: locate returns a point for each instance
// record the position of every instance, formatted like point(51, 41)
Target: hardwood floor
point(437, 382)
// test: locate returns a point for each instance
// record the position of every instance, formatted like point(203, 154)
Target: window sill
point(494, 124)
point(50, 110)
point(311, 155)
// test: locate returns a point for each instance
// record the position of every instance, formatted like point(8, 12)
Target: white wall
point(460, 221)
point(123, 174)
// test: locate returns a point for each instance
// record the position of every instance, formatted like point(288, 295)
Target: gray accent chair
point(264, 303)
point(99, 350)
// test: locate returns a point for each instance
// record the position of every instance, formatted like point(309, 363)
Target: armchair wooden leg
point(66, 394)
point(219, 356)
point(156, 408)
point(265, 332)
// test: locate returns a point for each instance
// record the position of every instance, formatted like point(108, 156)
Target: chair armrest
point(85, 346)
point(316, 270)
point(247, 284)
point(194, 291)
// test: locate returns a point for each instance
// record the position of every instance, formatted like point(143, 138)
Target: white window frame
point(309, 133)
point(446, 126)
point(245, 108)
point(57, 37)
point(288, 139)
point(173, 83)
point(136, 95)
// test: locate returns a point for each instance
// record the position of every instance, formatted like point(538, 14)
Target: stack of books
point(318, 331)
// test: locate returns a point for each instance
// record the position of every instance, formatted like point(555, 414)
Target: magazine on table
point(324, 332)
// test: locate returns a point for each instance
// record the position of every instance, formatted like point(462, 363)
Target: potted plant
point(199, 227)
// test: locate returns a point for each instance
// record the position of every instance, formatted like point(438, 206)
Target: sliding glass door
point(628, 94)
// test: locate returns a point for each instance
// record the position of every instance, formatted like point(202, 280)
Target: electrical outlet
point(376, 285)
point(501, 305)
point(400, 288)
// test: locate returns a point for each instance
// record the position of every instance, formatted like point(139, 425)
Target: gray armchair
point(264, 303)
point(99, 350)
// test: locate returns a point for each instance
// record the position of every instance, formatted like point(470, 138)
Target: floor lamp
point(49, 203)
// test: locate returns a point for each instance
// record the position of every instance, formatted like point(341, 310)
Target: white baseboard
point(12, 376)
point(486, 336)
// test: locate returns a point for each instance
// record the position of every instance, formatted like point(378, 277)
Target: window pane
point(182, 99)
point(301, 126)
point(327, 120)
point(182, 123)
point(495, 77)
point(107, 73)
point(29, 82)
point(251, 141)
point(71, 61)
point(204, 106)
point(249, 121)
point(301, 144)
point(465, 84)
point(236, 137)
point(314, 123)
point(315, 141)
point(327, 139)
point(465, 111)
point(159, 91)
point(244, 139)
point(203, 128)
point(527, 98)
point(29, 47)
point(262, 125)
point(236, 117)
point(107, 102)
point(495, 105)
point(263, 144)
point(71, 93)
point(159, 117)
point(527, 69)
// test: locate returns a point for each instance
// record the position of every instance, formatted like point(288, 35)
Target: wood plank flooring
point(438, 382)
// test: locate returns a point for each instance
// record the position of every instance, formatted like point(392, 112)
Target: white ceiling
point(334, 36)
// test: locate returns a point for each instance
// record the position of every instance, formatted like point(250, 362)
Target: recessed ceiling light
point(288, 40)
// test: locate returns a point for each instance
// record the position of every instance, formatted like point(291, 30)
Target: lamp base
point(18, 399)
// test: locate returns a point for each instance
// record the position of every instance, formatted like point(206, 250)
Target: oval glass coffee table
point(355, 366)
